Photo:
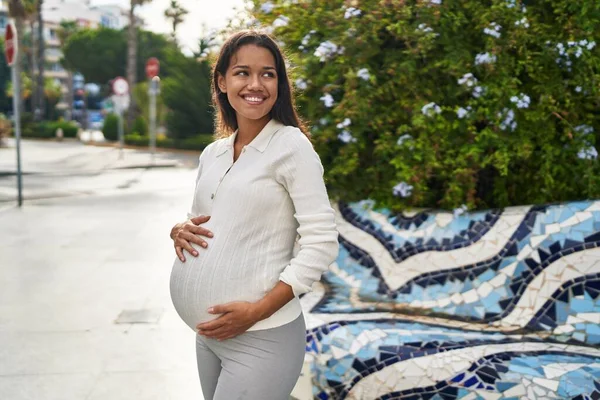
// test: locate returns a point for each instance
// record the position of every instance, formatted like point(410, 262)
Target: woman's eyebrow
point(247, 67)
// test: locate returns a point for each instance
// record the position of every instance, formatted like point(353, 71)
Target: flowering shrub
point(447, 104)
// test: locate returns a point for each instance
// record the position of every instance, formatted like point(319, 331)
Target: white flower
point(427, 108)
point(424, 28)
point(509, 120)
point(485, 58)
point(469, 79)
point(478, 91)
point(493, 30)
point(523, 21)
point(306, 37)
point(403, 139)
point(460, 210)
point(267, 7)
point(578, 52)
point(346, 137)
point(522, 100)
point(402, 189)
point(352, 12)
point(589, 153)
point(584, 129)
point(591, 45)
point(363, 73)
point(437, 2)
point(346, 122)
point(327, 50)
point(327, 99)
point(463, 112)
point(323, 121)
point(578, 89)
point(280, 21)
point(511, 3)
point(301, 84)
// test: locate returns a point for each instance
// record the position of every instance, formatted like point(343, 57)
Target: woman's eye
point(270, 74)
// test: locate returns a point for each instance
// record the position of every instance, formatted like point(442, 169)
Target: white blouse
point(258, 205)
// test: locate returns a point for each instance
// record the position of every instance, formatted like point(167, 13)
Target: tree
point(131, 53)
point(187, 96)
point(40, 106)
point(66, 30)
point(175, 13)
point(444, 103)
point(5, 104)
point(106, 51)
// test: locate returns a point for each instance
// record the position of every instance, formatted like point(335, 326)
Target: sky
point(213, 13)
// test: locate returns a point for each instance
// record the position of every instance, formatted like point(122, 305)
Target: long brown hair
point(283, 110)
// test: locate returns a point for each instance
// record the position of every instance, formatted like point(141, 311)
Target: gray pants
point(256, 365)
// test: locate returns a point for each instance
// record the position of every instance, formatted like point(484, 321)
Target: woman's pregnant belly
point(210, 279)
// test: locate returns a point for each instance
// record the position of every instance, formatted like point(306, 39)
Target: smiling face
point(250, 83)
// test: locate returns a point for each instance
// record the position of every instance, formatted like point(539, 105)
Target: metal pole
point(152, 118)
point(121, 138)
point(17, 116)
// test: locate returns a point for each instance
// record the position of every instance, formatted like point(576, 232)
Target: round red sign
point(10, 44)
point(152, 67)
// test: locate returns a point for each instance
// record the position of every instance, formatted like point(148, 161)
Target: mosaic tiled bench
point(502, 304)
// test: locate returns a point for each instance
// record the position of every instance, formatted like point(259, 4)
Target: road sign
point(120, 103)
point(152, 67)
point(10, 44)
point(120, 86)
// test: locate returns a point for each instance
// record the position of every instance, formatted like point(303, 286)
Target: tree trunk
point(33, 65)
point(19, 25)
point(70, 95)
point(41, 58)
point(131, 59)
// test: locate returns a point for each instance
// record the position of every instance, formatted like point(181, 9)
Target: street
point(85, 311)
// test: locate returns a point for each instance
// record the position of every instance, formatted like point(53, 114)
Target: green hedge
point(418, 104)
point(47, 129)
point(110, 129)
point(198, 142)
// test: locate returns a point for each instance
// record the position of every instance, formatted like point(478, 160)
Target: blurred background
point(457, 106)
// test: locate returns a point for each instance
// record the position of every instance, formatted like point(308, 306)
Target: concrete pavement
point(72, 269)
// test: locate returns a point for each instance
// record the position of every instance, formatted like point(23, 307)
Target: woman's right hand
point(188, 232)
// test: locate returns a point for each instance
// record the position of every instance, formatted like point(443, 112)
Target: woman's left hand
point(237, 318)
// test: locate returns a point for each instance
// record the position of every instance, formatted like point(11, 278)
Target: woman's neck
point(248, 129)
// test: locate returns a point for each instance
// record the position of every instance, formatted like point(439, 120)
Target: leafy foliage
point(140, 126)
point(111, 127)
point(441, 103)
point(106, 52)
point(186, 94)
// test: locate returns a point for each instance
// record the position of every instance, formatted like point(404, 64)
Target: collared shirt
point(258, 205)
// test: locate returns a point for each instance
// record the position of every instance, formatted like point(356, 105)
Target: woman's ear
point(221, 83)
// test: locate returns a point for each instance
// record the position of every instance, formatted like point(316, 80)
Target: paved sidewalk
point(59, 169)
point(70, 268)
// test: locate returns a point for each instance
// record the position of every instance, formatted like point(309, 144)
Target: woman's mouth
point(254, 100)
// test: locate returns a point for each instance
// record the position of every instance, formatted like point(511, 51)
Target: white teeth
point(254, 99)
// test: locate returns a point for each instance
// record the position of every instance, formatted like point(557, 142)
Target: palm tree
point(40, 106)
point(175, 13)
point(132, 53)
point(17, 11)
point(66, 30)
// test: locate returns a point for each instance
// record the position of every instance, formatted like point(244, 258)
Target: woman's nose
point(254, 82)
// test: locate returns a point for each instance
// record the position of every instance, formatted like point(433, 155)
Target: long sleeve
point(300, 171)
point(191, 212)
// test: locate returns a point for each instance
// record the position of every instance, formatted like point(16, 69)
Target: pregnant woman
point(236, 280)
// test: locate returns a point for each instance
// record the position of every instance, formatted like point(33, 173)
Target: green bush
point(140, 126)
point(135, 139)
point(418, 104)
point(111, 127)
